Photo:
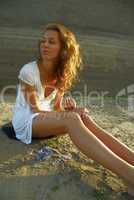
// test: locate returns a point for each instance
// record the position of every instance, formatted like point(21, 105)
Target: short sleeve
point(26, 74)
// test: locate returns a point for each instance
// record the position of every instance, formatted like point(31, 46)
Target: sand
point(24, 177)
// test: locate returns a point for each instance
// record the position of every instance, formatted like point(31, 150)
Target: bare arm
point(30, 96)
point(58, 102)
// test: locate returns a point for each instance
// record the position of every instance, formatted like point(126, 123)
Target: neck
point(47, 68)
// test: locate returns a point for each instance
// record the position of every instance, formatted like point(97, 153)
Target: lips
point(45, 51)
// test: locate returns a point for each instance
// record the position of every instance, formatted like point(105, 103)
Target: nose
point(46, 44)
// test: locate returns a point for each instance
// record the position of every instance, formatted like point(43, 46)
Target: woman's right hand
point(69, 103)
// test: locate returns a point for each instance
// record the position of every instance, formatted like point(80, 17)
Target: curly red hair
point(70, 57)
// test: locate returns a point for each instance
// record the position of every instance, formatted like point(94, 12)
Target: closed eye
point(50, 40)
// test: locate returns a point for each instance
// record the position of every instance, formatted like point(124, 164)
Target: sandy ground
point(24, 177)
point(21, 175)
point(107, 46)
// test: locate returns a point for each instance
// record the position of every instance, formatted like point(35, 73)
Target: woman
point(38, 112)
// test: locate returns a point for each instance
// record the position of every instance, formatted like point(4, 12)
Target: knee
point(69, 118)
point(72, 117)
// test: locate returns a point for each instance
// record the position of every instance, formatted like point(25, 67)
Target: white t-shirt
point(22, 113)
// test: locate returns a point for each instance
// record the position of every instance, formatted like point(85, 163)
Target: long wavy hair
point(70, 60)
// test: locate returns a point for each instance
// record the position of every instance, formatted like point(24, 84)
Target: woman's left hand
point(69, 103)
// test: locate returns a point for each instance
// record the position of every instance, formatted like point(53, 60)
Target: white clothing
point(22, 113)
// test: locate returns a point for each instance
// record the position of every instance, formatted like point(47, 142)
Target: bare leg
point(110, 141)
point(86, 141)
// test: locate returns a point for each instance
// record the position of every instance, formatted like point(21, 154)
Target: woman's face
point(50, 45)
